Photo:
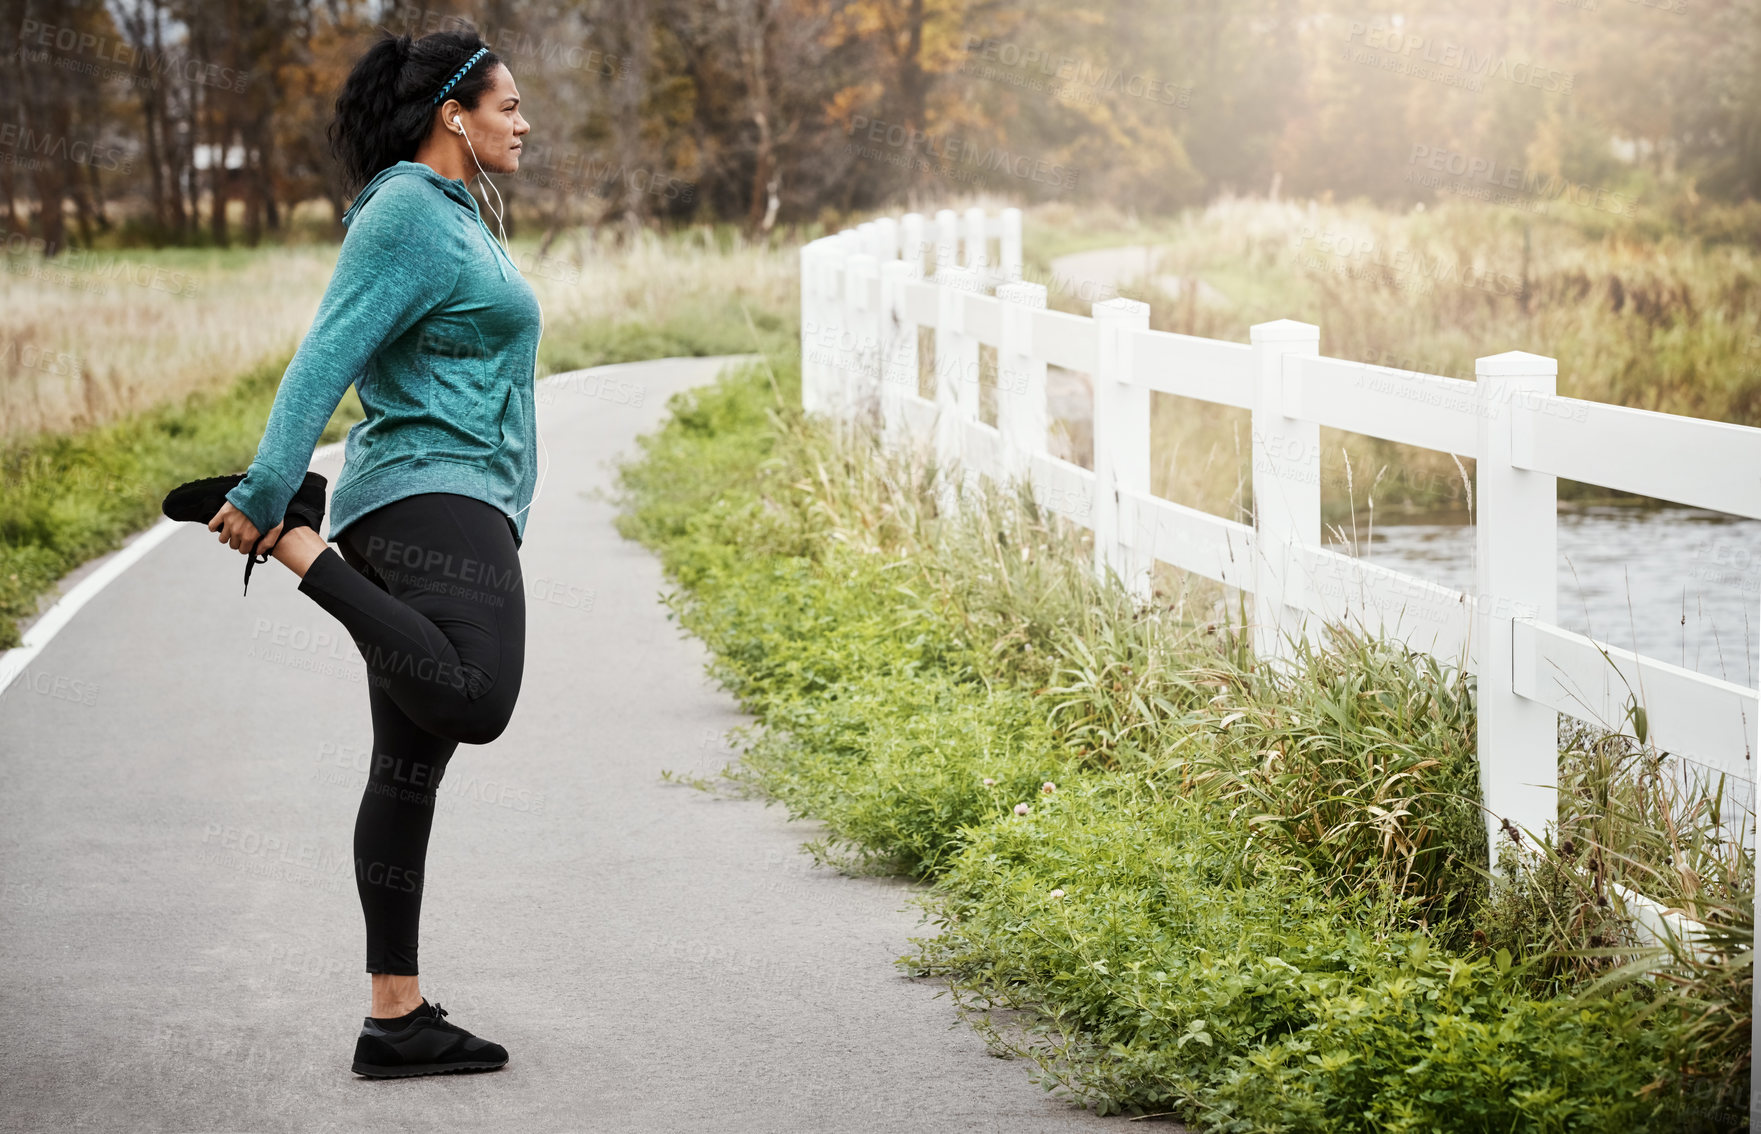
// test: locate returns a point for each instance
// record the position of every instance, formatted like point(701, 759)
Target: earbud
point(456, 122)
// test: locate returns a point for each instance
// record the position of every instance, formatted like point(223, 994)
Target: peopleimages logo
point(1530, 184)
point(579, 172)
point(30, 356)
point(1406, 387)
point(515, 43)
point(71, 43)
point(85, 269)
point(1410, 51)
point(953, 151)
point(59, 686)
point(23, 139)
point(1076, 72)
point(1358, 256)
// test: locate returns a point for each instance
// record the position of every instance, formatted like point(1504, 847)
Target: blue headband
point(460, 73)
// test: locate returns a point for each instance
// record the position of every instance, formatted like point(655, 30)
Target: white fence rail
point(866, 291)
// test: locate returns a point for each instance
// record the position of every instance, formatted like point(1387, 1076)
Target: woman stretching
point(433, 324)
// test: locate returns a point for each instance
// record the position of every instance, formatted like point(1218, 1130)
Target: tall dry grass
point(91, 338)
point(1638, 312)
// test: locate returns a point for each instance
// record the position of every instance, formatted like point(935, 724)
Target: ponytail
point(386, 107)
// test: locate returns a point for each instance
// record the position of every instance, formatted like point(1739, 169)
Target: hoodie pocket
point(506, 468)
point(461, 401)
point(461, 398)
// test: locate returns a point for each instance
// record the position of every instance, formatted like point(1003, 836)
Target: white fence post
point(1010, 246)
point(1121, 442)
point(853, 243)
point(862, 323)
point(1021, 379)
point(956, 370)
point(1515, 547)
point(1286, 490)
point(1755, 1002)
point(833, 351)
point(812, 330)
point(947, 241)
point(975, 243)
point(886, 239)
point(898, 348)
point(911, 241)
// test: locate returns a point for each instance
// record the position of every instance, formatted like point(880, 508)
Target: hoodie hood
point(453, 189)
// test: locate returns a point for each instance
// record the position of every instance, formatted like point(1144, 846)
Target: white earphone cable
point(485, 175)
point(543, 450)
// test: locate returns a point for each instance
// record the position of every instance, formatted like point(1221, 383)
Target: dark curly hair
point(386, 107)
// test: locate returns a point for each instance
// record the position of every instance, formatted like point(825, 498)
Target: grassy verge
point(1172, 879)
point(67, 498)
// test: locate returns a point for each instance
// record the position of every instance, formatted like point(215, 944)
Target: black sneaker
point(199, 501)
point(428, 1045)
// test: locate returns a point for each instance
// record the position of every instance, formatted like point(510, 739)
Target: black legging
point(430, 589)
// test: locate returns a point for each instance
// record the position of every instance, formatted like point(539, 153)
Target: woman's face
point(495, 127)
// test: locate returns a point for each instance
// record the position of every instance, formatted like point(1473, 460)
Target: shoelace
point(438, 1010)
point(252, 558)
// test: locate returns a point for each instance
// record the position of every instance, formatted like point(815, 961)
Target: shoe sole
point(191, 502)
point(373, 1071)
point(213, 498)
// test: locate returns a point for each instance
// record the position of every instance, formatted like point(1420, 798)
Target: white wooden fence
point(866, 291)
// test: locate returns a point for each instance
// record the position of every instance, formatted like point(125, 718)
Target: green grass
point(694, 327)
point(1247, 899)
point(65, 499)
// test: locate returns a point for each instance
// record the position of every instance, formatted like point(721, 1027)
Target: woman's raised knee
point(479, 721)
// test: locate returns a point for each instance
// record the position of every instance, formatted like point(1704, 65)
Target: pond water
point(1677, 584)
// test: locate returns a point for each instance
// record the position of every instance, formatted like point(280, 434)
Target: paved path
point(178, 923)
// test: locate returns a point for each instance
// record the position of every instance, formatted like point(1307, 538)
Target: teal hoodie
point(438, 332)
